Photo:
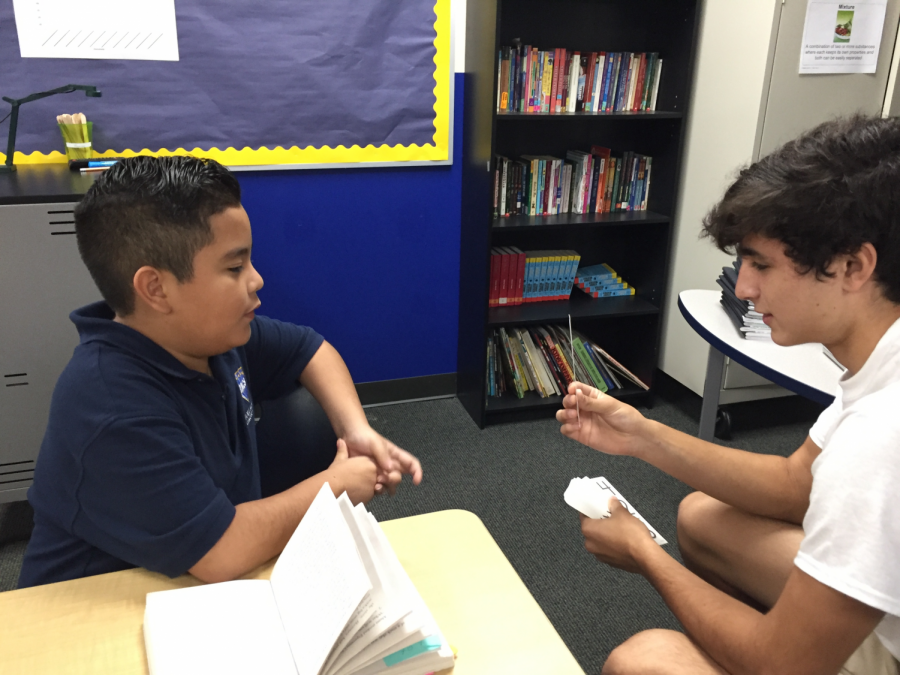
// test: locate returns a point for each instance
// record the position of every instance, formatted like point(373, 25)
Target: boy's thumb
point(341, 449)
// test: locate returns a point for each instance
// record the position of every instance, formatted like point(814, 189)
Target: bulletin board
point(278, 84)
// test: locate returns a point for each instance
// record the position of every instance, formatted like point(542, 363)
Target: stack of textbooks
point(540, 359)
point(530, 80)
point(601, 281)
point(741, 312)
point(583, 182)
point(530, 276)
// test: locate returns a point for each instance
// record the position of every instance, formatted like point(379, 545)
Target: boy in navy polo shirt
point(150, 458)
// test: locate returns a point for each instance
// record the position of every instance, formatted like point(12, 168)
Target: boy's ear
point(150, 289)
point(859, 267)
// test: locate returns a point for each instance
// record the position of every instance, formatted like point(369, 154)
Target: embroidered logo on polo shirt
point(242, 384)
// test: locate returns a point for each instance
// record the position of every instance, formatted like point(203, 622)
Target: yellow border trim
point(437, 151)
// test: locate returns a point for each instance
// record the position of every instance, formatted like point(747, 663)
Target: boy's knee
point(648, 652)
point(697, 517)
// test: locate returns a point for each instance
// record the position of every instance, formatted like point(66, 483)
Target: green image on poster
point(844, 25)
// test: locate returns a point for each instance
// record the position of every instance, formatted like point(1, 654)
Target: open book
point(338, 602)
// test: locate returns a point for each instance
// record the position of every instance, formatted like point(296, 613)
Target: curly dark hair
point(149, 211)
point(824, 194)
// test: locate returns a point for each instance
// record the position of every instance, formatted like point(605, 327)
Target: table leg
point(715, 365)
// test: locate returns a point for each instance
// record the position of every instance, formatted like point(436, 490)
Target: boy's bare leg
point(660, 652)
point(747, 556)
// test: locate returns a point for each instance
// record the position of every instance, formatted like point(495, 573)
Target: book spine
point(511, 362)
point(589, 81)
point(549, 67)
point(587, 362)
point(659, 65)
point(563, 365)
point(503, 297)
point(503, 188)
point(639, 85)
point(533, 382)
point(648, 80)
point(607, 76)
point(537, 364)
point(574, 67)
point(646, 195)
point(554, 88)
point(549, 362)
point(600, 68)
point(519, 281)
point(504, 78)
point(494, 294)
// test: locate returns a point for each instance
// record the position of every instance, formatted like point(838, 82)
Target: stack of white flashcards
point(338, 603)
point(590, 496)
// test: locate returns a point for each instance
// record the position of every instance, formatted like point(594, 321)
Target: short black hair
point(149, 211)
point(824, 194)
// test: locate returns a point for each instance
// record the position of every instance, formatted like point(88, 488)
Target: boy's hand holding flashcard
point(591, 496)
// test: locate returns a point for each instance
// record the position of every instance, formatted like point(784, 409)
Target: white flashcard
point(590, 496)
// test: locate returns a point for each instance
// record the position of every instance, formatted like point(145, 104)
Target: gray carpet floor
point(513, 477)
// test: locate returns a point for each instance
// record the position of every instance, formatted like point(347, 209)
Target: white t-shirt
point(852, 528)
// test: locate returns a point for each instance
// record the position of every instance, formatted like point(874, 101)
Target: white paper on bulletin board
point(97, 29)
point(842, 37)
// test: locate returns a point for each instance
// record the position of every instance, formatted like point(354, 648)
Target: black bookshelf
point(636, 244)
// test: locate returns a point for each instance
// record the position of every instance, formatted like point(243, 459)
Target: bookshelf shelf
point(580, 306)
point(636, 244)
point(646, 115)
point(580, 219)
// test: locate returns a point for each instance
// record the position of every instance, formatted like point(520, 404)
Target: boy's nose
point(745, 288)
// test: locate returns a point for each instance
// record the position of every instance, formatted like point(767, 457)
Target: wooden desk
point(93, 625)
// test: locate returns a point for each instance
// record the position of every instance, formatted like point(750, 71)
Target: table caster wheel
point(723, 424)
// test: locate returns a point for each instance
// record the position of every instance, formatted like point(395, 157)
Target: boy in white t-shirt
point(792, 565)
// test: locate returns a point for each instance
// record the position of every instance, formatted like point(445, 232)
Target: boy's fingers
point(601, 403)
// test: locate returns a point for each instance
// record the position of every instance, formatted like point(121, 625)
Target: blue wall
point(367, 257)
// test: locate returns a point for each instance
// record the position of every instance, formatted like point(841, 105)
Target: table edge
point(805, 390)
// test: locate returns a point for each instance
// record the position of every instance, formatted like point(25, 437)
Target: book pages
point(591, 496)
point(320, 568)
point(387, 609)
point(230, 628)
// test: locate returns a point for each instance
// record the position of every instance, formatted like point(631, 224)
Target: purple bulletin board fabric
point(276, 73)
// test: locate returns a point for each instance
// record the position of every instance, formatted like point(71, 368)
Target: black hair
point(824, 194)
point(149, 211)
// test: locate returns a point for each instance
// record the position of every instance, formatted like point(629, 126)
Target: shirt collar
point(95, 324)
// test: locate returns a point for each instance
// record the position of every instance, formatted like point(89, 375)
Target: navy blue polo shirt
point(145, 459)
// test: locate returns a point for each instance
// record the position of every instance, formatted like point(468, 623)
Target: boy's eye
point(759, 266)
point(236, 270)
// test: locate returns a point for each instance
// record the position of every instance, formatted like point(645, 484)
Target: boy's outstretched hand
point(607, 424)
point(392, 461)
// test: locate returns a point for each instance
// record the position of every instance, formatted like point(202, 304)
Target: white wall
point(733, 49)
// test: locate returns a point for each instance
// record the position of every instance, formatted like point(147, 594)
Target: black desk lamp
point(9, 167)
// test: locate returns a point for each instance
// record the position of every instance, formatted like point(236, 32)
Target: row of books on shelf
point(583, 182)
point(520, 276)
point(541, 359)
point(530, 80)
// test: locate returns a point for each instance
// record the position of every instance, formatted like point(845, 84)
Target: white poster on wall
point(842, 37)
point(97, 29)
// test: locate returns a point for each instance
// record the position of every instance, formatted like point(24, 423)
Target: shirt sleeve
point(851, 531)
point(825, 421)
point(145, 497)
point(276, 355)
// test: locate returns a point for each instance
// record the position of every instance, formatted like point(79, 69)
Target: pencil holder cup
point(78, 138)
